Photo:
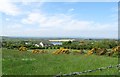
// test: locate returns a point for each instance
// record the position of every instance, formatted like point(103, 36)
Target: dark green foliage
point(89, 44)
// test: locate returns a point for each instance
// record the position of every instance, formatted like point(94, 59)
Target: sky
point(59, 19)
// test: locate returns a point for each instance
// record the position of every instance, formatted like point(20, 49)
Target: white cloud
point(66, 25)
point(72, 9)
point(12, 27)
point(55, 25)
point(24, 2)
point(35, 18)
point(9, 8)
point(63, 21)
point(7, 19)
point(46, 21)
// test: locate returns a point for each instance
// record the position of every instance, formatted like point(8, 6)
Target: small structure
point(56, 43)
point(37, 45)
point(44, 44)
point(59, 41)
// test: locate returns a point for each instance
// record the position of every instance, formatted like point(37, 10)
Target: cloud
point(7, 19)
point(67, 25)
point(55, 24)
point(9, 8)
point(63, 21)
point(35, 18)
point(45, 20)
point(25, 2)
point(12, 29)
point(72, 9)
point(29, 2)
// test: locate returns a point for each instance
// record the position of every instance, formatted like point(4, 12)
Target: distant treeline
point(79, 44)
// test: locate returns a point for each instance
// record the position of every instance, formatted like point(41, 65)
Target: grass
point(15, 62)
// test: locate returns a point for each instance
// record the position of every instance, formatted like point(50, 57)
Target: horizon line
point(59, 37)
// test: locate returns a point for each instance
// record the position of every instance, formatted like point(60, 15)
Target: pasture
point(15, 62)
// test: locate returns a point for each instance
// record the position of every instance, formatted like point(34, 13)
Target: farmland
point(29, 57)
point(26, 63)
point(59, 38)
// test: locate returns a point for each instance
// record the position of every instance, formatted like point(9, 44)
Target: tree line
point(84, 44)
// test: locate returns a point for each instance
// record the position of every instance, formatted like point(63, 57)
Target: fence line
point(88, 71)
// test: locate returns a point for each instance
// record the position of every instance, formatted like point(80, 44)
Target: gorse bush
point(61, 51)
point(97, 51)
point(116, 51)
point(39, 51)
point(102, 51)
point(22, 48)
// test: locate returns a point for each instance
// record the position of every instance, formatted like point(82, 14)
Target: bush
point(22, 48)
point(61, 51)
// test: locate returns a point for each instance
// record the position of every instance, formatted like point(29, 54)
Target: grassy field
point(15, 62)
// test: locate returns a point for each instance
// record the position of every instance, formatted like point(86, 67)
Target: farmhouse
point(37, 45)
point(44, 44)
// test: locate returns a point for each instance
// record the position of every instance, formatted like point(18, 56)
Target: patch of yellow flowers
point(99, 51)
point(61, 51)
point(22, 48)
point(38, 51)
point(91, 51)
point(116, 49)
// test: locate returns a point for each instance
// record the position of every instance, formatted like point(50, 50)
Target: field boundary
point(88, 71)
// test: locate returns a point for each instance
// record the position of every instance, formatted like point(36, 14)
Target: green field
point(15, 62)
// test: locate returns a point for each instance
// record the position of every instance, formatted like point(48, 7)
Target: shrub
point(22, 48)
point(61, 51)
point(97, 51)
